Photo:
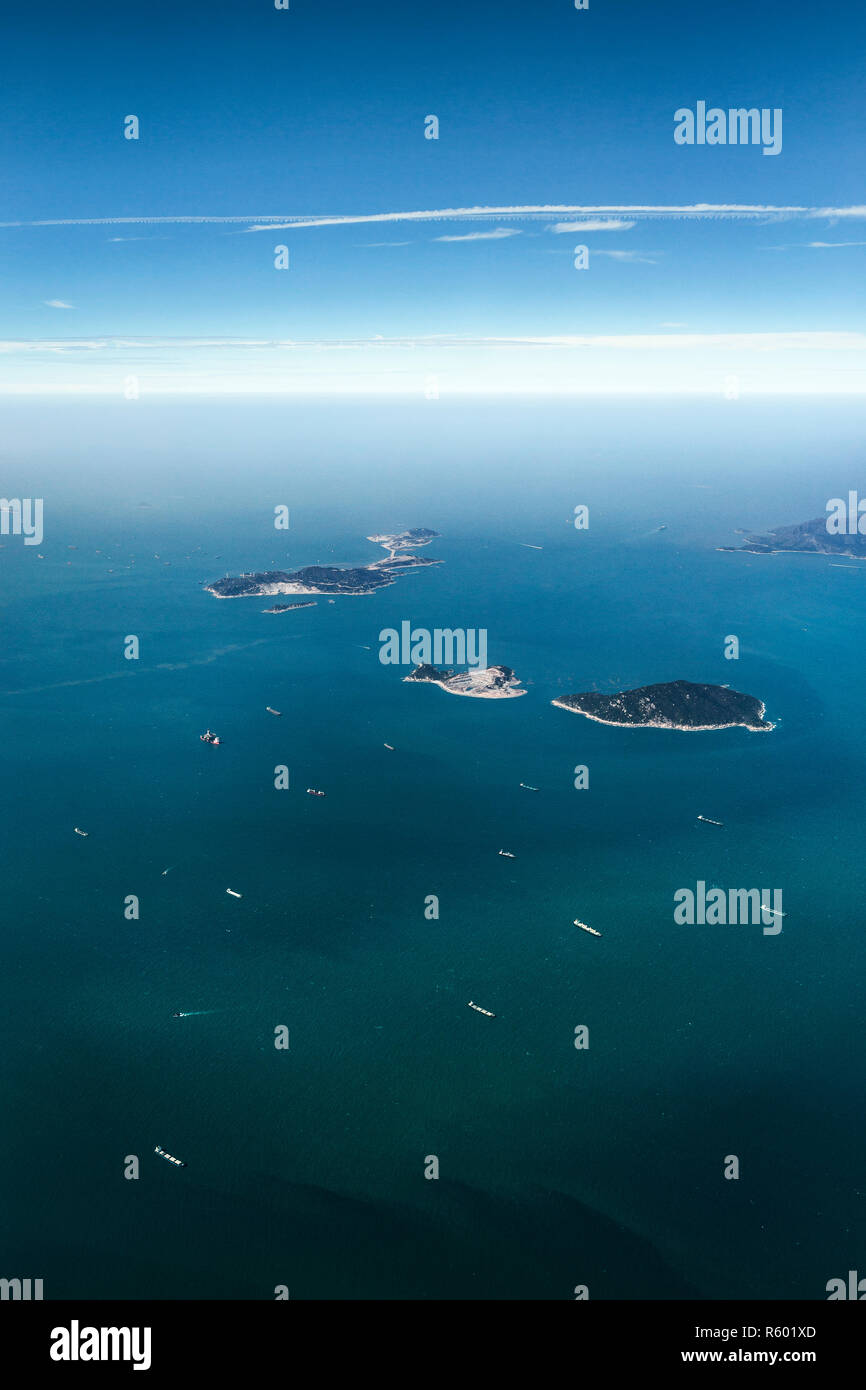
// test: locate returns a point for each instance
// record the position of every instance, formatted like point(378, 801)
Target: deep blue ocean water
point(558, 1167)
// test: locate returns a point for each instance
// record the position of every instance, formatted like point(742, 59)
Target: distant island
point(484, 682)
point(331, 579)
point(406, 540)
point(806, 538)
point(676, 705)
point(287, 607)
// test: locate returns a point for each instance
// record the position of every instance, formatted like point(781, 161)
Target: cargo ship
point(169, 1158)
point(592, 931)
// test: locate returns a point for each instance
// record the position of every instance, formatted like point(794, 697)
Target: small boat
point(268, 710)
point(592, 931)
point(707, 821)
point(85, 833)
point(232, 894)
point(208, 737)
point(311, 791)
point(389, 745)
point(178, 1162)
point(478, 1009)
point(506, 853)
point(526, 787)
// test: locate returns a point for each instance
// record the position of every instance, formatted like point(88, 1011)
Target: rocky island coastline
point(682, 705)
point(333, 579)
point(806, 538)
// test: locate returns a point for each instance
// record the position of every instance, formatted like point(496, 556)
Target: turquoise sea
point(558, 1167)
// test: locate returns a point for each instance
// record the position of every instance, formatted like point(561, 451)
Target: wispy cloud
point(671, 363)
point(598, 224)
point(499, 233)
point(641, 257)
point(831, 340)
point(812, 245)
point(760, 211)
point(529, 211)
point(57, 304)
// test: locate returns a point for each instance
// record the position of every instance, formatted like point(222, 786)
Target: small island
point(683, 705)
point(332, 579)
point(406, 540)
point(482, 682)
point(806, 538)
point(287, 607)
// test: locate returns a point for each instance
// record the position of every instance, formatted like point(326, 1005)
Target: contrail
point(265, 222)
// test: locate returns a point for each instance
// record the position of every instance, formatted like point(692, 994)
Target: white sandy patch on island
point(481, 683)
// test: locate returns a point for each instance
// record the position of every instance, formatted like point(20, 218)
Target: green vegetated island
point(806, 538)
point(334, 579)
point(684, 705)
point(678, 704)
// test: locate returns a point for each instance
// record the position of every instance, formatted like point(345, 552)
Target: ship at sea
point(478, 1009)
point(592, 931)
point(169, 1158)
point(208, 737)
point(311, 791)
point(232, 894)
point(85, 833)
point(506, 853)
point(268, 710)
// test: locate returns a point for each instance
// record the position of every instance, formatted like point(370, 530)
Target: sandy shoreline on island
point(790, 550)
point(472, 694)
point(663, 724)
point(272, 590)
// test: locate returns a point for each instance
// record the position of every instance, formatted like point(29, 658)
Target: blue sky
point(317, 113)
